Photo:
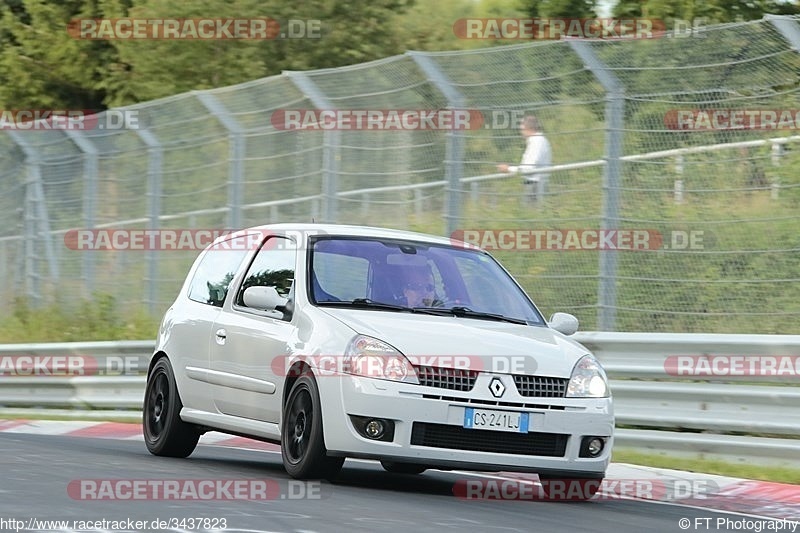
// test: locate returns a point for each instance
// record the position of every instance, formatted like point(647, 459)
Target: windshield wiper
point(466, 312)
point(366, 303)
point(459, 311)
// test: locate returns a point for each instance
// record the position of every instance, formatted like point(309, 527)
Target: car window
point(273, 266)
point(214, 274)
point(413, 274)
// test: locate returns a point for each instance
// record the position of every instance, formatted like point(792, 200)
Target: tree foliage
point(42, 66)
point(564, 8)
point(709, 11)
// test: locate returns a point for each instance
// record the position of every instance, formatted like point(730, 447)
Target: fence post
point(331, 156)
point(36, 220)
point(90, 173)
point(678, 185)
point(32, 173)
point(155, 153)
point(236, 155)
point(615, 108)
point(777, 153)
point(454, 151)
point(787, 26)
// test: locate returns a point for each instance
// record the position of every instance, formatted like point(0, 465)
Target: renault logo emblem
point(496, 387)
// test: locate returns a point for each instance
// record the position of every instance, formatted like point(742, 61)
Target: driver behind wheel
point(419, 289)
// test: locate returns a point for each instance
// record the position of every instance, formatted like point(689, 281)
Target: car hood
point(452, 341)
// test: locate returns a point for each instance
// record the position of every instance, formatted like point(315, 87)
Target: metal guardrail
point(754, 419)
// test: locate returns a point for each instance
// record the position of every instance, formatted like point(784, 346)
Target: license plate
point(495, 420)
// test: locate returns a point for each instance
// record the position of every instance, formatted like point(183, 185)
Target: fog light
point(374, 429)
point(595, 447)
point(378, 429)
point(592, 446)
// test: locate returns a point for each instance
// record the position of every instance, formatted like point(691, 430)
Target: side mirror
point(564, 323)
point(264, 298)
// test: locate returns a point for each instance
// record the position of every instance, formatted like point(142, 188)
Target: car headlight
point(588, 379)
point(373, 358)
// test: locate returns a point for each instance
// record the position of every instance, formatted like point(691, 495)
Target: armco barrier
point(743, 418)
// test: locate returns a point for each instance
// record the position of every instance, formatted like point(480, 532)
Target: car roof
point(349, 231)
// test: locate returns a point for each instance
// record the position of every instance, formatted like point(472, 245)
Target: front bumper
point(442, 410)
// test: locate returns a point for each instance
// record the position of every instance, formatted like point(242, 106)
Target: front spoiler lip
point(470, 466)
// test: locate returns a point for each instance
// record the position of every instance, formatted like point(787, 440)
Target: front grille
point(497, 403)
point(541, 386)
point(457, 379)
point(481, 440)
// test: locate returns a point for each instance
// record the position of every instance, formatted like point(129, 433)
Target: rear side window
point(214, 274)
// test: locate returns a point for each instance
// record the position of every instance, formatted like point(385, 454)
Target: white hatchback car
point(343, 341)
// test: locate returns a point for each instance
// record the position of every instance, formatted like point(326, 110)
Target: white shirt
point(537, 155)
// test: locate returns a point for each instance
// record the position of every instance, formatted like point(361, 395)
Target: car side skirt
point(254, 429)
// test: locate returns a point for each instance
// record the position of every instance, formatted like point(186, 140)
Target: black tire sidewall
point(313, 462)
point(173, 406)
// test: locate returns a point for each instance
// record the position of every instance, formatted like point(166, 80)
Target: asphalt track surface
point(36, 470)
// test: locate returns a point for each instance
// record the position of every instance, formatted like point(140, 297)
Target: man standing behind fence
point(537, 155)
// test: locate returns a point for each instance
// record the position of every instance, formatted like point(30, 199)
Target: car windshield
point(394, 275)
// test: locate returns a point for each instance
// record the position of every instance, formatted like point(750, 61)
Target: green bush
point(98, 319)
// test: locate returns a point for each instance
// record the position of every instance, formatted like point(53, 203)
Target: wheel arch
point(295, 371)
point(155, 359)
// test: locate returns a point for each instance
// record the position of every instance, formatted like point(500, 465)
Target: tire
point(559, 488)
point(403, 468)
point(302, 441)
point(165, 434)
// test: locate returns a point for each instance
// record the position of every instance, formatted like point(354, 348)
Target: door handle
point(221, 335)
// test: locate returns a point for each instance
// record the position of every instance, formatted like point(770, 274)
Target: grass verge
point(65, 417)
point(778, 474)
